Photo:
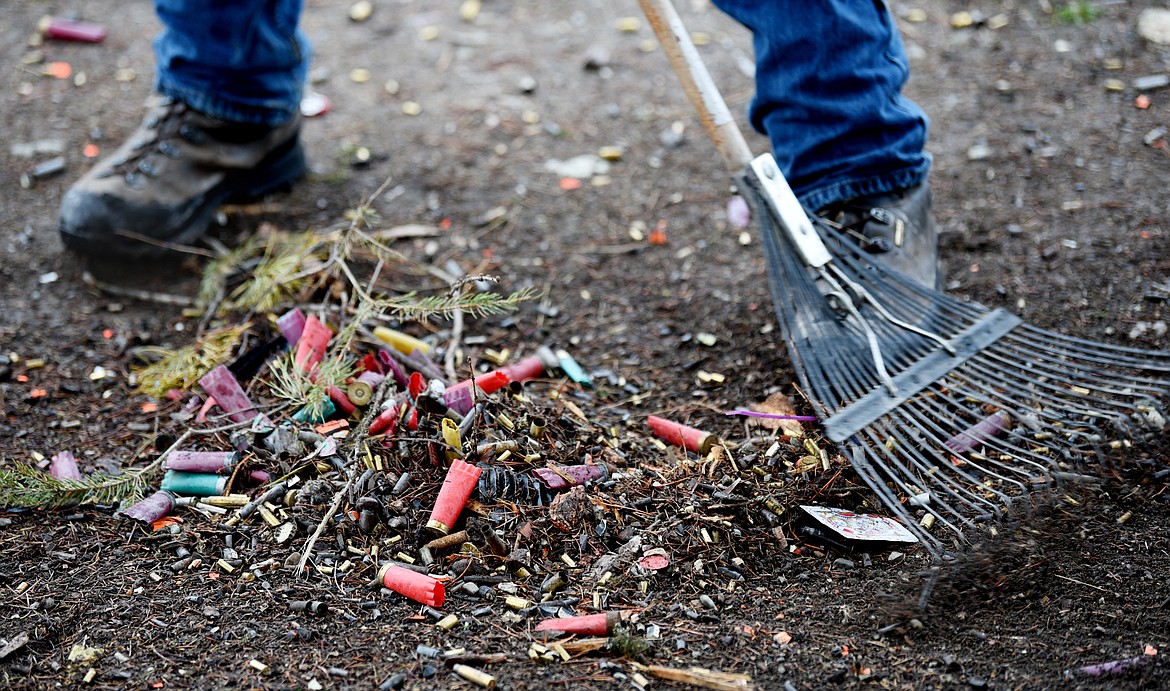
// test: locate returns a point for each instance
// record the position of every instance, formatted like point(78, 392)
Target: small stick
point(338, 497)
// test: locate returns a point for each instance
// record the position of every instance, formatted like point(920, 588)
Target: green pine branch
point(25, 486)
point(182, 368)
point(411, 306)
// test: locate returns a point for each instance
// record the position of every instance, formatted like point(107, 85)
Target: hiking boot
point(162, 187)
point(897, 228)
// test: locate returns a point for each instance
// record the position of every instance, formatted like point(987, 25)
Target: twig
point(359, 433)
point(177, 247)
point(453, 344)
point(338, 497)
point(1090, 585)
point(144, 295)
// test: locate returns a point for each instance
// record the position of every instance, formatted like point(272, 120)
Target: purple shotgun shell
point(223, 386)
point(150, 509)
point(987, 428)
point(291, 325)
point(203, 461)
point(395, 369)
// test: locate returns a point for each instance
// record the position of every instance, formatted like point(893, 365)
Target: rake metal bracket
point(924, 372)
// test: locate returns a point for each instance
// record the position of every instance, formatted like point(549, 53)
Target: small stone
point(1062, 46)
point(361, 10)
point(628, 25)
point(844, 564)
point(610, 153)
point(1151, 82)
point(1154, 25)
point(469, 10)
point(962, 20)
point(979, 152)
point(596, 57)
point(673, 137)
point(916, 16)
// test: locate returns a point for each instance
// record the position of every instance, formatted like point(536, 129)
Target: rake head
point(970, 410)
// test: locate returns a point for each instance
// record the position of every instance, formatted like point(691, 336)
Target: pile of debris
point(346, 455)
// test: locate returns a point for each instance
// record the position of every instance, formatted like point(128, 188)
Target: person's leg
point(234, 60)
point(829, 78)
point(226, 127)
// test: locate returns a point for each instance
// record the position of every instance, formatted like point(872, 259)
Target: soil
point(1048, 187)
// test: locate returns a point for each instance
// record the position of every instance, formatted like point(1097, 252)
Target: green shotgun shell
point(193, 484)
point(323, 412)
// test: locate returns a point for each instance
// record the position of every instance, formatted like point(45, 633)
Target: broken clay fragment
point(63, 466)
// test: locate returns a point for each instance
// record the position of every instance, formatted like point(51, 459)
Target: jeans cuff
point(836, 191)
point(221, 110)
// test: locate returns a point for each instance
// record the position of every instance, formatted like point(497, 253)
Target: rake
point(953, 413)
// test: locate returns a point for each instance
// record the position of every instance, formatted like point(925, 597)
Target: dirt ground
point(1050, 189)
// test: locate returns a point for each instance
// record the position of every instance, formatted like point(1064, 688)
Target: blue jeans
point(829, 76)
point(236, 60)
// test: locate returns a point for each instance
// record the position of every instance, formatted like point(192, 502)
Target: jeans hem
point(222, 110)
point(837, 191)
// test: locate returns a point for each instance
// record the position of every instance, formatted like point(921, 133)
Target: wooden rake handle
point(697, 84)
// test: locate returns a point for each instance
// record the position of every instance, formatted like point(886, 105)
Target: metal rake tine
point(994, 368)
point(935, 483)
point(939, 467)
point(1059, 362)
point(857, 454)
point(1037, 461)
point(1137, 358)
